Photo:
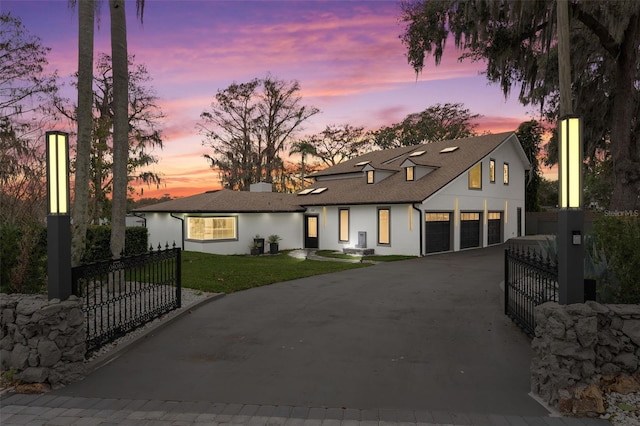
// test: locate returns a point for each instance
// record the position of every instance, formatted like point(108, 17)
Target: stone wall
point(42, 341)
point(583, 350)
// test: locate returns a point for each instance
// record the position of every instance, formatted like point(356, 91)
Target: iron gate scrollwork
point(529, 280)
point(123, 294)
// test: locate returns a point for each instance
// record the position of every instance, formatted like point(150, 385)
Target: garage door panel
point(437, 232)
point(469, 230)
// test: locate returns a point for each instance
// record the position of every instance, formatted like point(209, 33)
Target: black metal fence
point(530, 279)
point(123, 294)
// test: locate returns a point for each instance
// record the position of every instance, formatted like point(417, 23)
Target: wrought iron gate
point(123, 294)
point(529, 280)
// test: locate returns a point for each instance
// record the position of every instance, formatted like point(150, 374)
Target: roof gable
point(440, 167)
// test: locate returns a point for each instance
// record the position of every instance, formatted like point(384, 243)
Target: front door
point(519, 221)
point(311, 232)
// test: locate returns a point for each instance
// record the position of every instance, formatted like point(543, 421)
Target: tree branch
point(606, 39)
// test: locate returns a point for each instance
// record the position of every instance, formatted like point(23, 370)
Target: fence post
point(179, 278)
point(506, 281)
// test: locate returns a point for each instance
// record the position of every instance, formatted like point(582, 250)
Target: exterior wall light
point(58, 220)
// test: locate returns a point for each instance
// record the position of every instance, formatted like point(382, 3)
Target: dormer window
point(370, 176)
point(410, 173)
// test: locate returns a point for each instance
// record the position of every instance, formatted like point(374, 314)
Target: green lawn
point(226, 274)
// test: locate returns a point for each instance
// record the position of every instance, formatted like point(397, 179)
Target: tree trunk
point(625, 149)
point(120, 124)
point(86, 22)
point(564, 58)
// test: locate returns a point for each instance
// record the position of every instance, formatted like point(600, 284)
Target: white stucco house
point(415, 200)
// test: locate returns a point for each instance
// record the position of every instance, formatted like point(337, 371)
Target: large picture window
point(212, 228)
point(343, 225)
point(475, 177)
point(384, 226)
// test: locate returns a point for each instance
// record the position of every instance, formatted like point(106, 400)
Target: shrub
point(23, 253)
point(619, 238)
point(99, 242)
point(23, 258)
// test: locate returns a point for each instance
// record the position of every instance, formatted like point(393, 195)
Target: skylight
point(306, 191)
point(318, 190)
point(417, 153)
point(449, 149)
point(362, 163)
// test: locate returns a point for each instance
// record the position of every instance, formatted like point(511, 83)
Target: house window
point(410, 172)
point(492, 170)
point(343, 225)
point(212, 228)
point(505, 172)
point(369, 176)
point(384, 226)
point(475, 177)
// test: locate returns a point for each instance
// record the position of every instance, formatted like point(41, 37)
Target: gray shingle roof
point(345, 182)
point(353, 189)
point(227, 201)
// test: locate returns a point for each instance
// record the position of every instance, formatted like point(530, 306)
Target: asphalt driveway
point(423, 334)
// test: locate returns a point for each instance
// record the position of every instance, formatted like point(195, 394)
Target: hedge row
point(23, 253)
point(619, 239)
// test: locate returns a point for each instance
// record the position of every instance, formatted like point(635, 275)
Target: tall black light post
point(58, 219)
point(571, 214)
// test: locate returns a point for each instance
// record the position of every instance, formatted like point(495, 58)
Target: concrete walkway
point(422, 341)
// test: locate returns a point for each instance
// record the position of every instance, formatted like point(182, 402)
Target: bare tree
point(24, 84)
point(248, 126)
point(336, 144)
point(144, 117)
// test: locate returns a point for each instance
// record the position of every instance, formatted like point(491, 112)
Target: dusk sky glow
point(347, 56)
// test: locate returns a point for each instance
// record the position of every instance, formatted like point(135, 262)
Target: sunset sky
point(347, 56)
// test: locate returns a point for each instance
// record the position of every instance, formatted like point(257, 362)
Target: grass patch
point(376, 258)
point(227, 274)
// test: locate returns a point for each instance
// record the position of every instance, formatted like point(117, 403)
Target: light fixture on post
point(58, 220)
point(571, 215)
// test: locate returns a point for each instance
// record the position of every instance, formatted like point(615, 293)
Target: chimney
point(261, 187)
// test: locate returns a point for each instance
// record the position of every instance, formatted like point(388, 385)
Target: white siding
point(289, 226)
point(404, 228)
point(163, 229)
point(495, 196)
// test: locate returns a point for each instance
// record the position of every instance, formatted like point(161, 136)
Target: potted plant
point(259, 242)
point(254, 248)
point(273, 243)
